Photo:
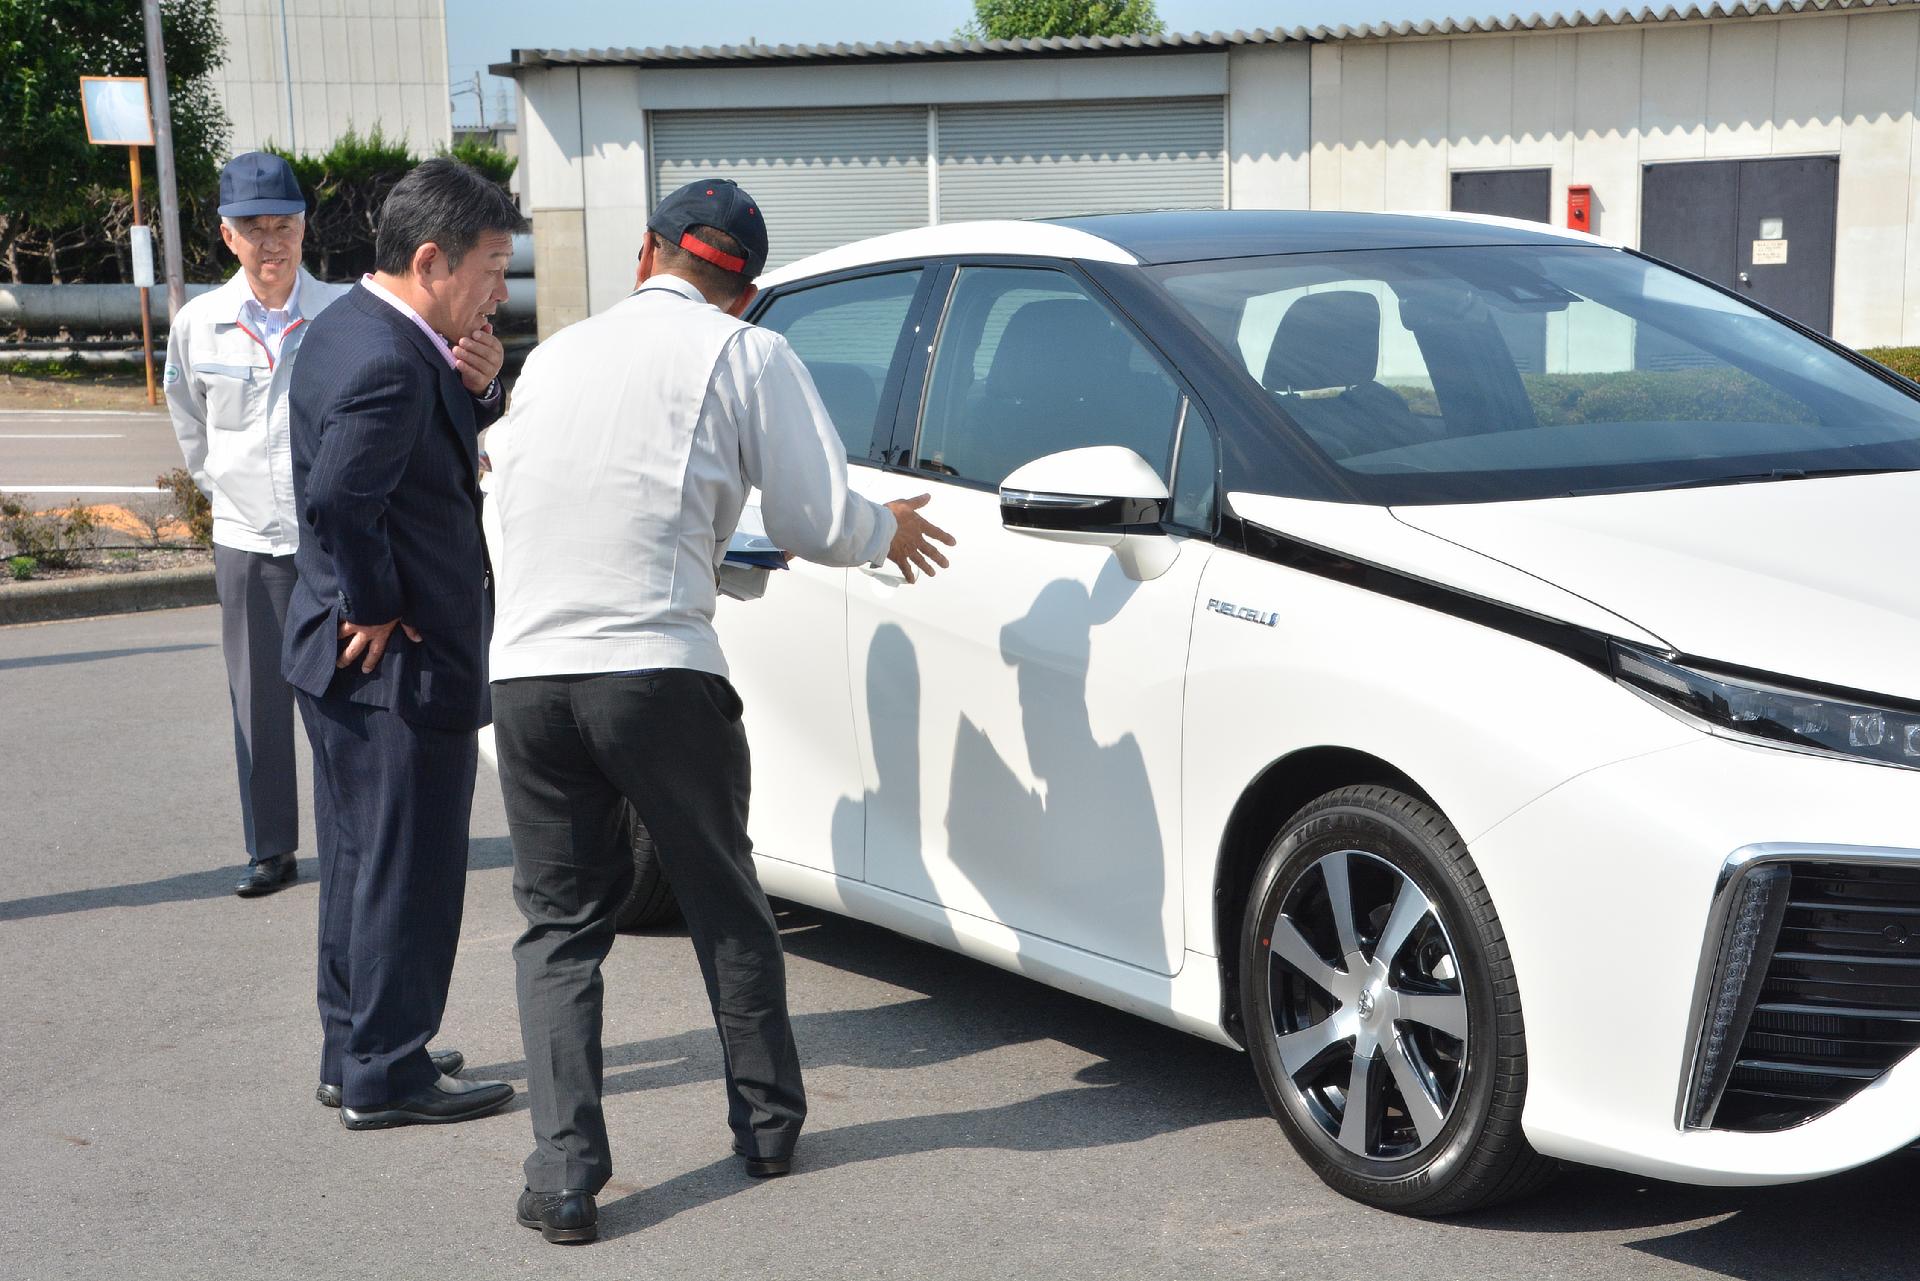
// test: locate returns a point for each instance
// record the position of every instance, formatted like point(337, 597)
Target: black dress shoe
point(564, 1218)
point(448, 1061)
point(447, 1100)
point(763, 1167)
point(268, 875)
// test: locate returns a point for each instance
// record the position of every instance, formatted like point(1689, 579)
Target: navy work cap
point(717, 203)
point(259, 182)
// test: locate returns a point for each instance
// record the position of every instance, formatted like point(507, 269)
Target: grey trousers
point(254, 589)
point(670, 742)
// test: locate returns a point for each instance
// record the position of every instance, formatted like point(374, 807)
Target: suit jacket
point(386, 482)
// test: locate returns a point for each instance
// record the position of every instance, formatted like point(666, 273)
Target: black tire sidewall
point(649, 899)
point(1375, 822)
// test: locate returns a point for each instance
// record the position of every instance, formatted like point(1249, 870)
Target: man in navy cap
point(619, 476)
point(230, 354)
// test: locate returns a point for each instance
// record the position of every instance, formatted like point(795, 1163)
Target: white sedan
point(1468, 665)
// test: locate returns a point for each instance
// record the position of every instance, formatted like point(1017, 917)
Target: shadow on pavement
point(1148, 1080)
point(485, 854)
point(92, 656)
point(1851, 1225)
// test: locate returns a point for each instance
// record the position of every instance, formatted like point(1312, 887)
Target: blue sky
point(483, 31)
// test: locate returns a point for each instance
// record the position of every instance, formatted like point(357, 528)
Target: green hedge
point(1901, 360)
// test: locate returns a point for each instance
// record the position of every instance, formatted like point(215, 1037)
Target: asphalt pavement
point(158, 1042)
point(52, 457)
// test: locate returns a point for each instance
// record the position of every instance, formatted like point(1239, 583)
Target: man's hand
point(370, 641)
point(913, 541)
point(478, 357)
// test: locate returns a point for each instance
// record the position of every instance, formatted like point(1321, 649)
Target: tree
point(56, 189)
point(1045, 19)
point(347, 185)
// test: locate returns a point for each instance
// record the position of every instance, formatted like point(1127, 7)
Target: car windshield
point(1487, 373)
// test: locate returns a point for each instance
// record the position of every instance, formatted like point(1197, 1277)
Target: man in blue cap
point(230, 354)
point(619, 476)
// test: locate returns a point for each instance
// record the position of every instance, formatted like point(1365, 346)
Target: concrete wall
point(584, 135)
point(1393, 119)
point(1268, 139)
point(351, 63)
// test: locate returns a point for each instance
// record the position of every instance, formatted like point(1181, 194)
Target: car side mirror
point(1100, 496)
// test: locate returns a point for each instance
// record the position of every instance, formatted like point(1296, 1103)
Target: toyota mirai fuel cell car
point(1473, 667)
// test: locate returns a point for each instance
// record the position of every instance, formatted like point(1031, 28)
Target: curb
point(106, 594)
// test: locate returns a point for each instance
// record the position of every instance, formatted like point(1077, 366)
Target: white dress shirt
point(229, 359)
point(621, 470)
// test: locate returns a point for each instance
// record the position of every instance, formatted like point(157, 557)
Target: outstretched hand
point(914, 539)
point(368, 643)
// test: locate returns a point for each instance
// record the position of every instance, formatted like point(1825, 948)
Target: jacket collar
point(673, 284)
point(236, 293)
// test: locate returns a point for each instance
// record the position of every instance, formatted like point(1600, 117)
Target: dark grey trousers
point(254, 589)
point(671, 743)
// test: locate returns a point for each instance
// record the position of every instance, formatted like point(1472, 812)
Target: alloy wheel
point(1369, 1015)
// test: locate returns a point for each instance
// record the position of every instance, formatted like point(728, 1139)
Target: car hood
point(1809, 578)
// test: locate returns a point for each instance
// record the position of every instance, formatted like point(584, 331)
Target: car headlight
point(1775, 714)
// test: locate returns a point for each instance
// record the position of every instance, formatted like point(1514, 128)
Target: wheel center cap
point(1366, 1002)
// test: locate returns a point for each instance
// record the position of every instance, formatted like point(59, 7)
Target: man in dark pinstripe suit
point(387, 633)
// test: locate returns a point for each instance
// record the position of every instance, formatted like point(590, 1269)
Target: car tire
point(1329, 1018)
point(650, 902)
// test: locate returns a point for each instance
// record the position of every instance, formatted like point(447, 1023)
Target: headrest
point(1329, 339)
point(1054, 334)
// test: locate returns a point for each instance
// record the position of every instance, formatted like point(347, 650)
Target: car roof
point(1182, 236)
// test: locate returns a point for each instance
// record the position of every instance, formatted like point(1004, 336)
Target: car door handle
point(885, 575)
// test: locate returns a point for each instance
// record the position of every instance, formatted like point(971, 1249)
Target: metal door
point(1036, 160)
point(1505, 193)
point(1763, 227)
point(827, 177)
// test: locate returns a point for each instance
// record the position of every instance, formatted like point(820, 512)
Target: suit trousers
point(670, 743)
point(254, 588)
point(391, 803)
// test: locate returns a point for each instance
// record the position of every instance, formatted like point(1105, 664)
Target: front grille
point(1840, 1002)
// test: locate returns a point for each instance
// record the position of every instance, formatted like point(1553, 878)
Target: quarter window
point(849, 334)
point(1030, 364)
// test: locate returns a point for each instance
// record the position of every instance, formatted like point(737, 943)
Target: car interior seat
point(852, 398)
point(1323, 367)
point(1060, 379)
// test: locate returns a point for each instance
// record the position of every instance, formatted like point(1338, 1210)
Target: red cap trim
point(701, 249)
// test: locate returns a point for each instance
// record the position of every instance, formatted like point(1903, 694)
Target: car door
point(1020, 714)
point(788, 649)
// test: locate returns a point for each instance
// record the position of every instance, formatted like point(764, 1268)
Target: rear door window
point(851, 335)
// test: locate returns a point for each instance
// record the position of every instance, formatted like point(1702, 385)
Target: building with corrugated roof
point(1769, 145)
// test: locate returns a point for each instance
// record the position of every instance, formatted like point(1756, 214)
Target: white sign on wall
point(1769, 253)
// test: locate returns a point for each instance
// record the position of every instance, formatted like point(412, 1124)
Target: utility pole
point(163, 151)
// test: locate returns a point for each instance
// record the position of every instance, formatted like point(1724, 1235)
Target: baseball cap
point(259, 182)
point(717, 203)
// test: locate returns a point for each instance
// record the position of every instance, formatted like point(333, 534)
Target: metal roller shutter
point(1028, 160)
point(824, 178)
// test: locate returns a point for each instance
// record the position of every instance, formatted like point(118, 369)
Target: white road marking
point(83, 413)
point(16, 435)
point(80, 489)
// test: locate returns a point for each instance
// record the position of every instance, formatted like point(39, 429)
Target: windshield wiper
point(1742, 478)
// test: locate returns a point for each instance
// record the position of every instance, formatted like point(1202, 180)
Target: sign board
point(142, 247)
point(117, 111)
point(1769, 253)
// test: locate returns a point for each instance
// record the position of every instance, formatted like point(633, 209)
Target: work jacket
point(227, 393)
